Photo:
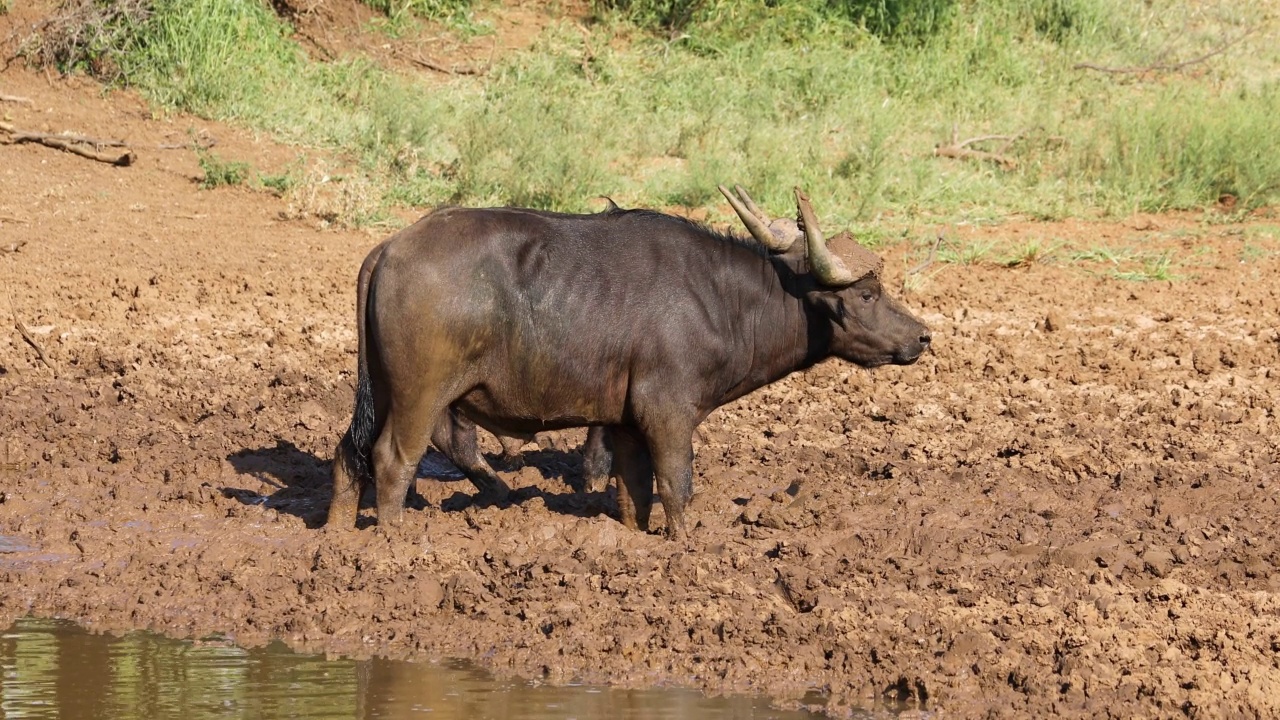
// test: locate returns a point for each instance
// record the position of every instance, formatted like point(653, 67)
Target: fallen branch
point(433, 65)
point(122, 160)
point(1164, 67)
point(69, 137)
point(203, 143)
point(72, 144)
point(16, 99)
point(983, 138)
point(960, 150)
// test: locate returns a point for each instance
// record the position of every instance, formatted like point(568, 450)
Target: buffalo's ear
point(832, 305)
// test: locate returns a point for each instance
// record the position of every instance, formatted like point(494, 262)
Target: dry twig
point(204, 143)
point(588, 54)
point(437, 67)
point(9, 465)
point(960, 150)
point(26, 335)
point(933, 254)
point(72, 144)
point(16, 99)
point(1165, 67)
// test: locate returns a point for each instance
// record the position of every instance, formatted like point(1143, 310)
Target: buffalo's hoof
point(495, 495)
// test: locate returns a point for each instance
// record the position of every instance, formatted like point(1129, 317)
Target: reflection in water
point(54, 669)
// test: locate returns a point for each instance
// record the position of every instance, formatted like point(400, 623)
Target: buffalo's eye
point(868, 296)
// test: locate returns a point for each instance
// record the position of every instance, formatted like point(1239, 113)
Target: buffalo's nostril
point(925, 338)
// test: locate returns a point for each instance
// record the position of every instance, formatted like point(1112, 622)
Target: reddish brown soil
point(1069, 506)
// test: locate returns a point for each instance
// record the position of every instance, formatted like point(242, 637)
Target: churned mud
point(1068, 506)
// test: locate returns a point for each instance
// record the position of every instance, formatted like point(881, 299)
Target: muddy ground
point(1068, 506)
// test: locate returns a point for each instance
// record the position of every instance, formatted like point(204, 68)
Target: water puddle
point(56, 669)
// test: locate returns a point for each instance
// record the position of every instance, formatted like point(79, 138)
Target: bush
point(433, 9)
point(916, 20)
point(219, 172)
point(86, 35)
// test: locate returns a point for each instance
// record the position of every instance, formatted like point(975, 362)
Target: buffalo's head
point(842, 280)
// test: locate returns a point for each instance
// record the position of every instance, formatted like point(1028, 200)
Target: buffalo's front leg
point(634, 469)
point(672, 448)
point(455, 436)
point(597, 460)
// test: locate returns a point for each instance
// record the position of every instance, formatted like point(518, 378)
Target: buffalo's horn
point(826, 267)
point(751, 204)
point(755, 220)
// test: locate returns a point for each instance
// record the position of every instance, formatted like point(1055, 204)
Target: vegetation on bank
point(873, 105)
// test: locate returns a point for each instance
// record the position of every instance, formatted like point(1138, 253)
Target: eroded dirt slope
point(1069, 506)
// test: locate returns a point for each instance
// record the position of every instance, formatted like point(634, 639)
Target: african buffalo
point(522, 320)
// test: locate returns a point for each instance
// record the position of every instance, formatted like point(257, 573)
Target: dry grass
point(84, 35)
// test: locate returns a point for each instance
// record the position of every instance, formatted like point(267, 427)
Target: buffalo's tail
point(364, 428)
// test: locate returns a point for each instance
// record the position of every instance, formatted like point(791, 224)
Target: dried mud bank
point(1069, 506)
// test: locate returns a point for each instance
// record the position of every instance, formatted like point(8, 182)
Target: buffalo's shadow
point(301, 483)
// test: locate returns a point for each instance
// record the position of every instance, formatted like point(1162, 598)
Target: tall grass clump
point(723, 21)
point(1184, 148)
point(434, 9)
point(219, 58)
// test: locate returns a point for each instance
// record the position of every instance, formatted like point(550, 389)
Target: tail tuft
point(360, 435)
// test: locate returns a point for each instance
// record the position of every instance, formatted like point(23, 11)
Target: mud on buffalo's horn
point(829, 269)
point(755, 219)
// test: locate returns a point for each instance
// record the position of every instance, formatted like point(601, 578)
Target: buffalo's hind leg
point(347, 486)
point(405, 437)
point(456, 437)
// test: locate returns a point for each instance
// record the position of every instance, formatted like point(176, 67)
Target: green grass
point(1152, 266)
point(401, 18)
point(1252, 253)
point(279, 184)
point(219, 172)
point(434, 9)
point(656, 108)
point(1031, 252)
point(974, 252)
point(1114, 256)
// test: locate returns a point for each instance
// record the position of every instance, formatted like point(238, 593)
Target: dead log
point(77, 144)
